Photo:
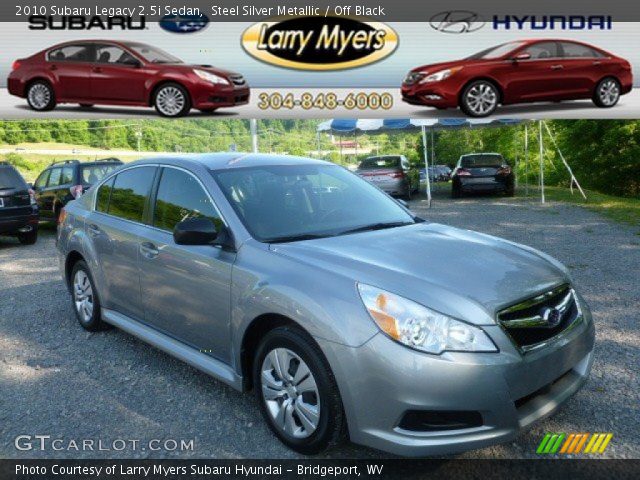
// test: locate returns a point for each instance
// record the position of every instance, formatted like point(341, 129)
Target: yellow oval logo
point(319, 43)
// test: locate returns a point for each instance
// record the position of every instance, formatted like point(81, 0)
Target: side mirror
point(132, 62)
point(521, 56)
point(195, 231)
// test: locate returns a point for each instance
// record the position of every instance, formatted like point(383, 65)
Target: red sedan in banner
point(518, 72)
point(123, 73)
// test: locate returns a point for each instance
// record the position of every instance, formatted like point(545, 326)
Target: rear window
point(10, 178)
point(381, 162)
point(91, 174)
point(481, 161)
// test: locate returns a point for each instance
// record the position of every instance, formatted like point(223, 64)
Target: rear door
point(583, 67)
point(71, 67)
point(186, 290)
point(46, 193)
point(14, 194)
point(115, 227)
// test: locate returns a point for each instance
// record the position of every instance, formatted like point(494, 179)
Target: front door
point(115, 77)
point(186, 290)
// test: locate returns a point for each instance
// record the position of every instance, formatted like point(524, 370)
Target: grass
point(620, 209)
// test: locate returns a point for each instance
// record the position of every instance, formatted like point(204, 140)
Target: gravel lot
point(58, 380)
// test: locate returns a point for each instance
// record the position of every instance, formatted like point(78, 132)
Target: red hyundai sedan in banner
point(518, 72)
point(108, 72)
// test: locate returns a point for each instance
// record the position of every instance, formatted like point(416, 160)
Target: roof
point(227, 160)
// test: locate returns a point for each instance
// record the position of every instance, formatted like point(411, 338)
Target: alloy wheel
point(83, 296)
point(481, 99)
point(290, 393)
point(170, 101)
point(39, 96)
point(609, 92)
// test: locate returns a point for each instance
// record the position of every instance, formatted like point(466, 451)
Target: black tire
point(510, 191)
point(166, 87)
point(94, 323)
point(86, 105)
point(331, 429)
point(409, 193)
point(602, 100)
point(28, 238)
point(455, 192)
point(486, 85)
point(44, 88)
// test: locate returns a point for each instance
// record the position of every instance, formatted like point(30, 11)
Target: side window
point(180, 196)
point(103, 196)
point(130, 192)
point(54, 178)
point(112, 54)
point(66, 177)
point(575, 50)
point(542, 50)
point(41, 181)
point(71, 53)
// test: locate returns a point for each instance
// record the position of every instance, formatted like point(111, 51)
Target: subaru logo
point(456, 21)
point(184, 23)
point(551, 316)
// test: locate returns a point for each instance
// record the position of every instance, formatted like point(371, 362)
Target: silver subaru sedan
point(346, 315)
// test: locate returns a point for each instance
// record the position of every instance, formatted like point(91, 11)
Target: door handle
point(94, 230)
point(557, 67)
point(597, 62)
point(149, 250)
point(97, 69)
point(53, 67)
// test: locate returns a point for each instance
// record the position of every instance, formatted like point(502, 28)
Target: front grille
point(535, 321)
point(237, 80)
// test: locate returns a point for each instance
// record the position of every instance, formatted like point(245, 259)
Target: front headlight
point(211, 77)
point(418, 327)
point(440, 75)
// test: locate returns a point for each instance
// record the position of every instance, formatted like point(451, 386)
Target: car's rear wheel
point(86, 303)
point(172, 100)
point(456, 192)
point(297, 392)
point(479, 98)
point(28, 238)
point(40, 96)
point(607, 93)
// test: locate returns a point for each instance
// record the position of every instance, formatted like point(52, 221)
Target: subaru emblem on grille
point(551, 316)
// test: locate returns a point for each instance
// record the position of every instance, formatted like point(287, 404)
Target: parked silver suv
point(345, 313)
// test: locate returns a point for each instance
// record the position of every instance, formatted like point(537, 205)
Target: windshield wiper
point(296, 238)
point(375, 226)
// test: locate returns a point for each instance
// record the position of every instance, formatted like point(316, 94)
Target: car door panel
point(112, 80)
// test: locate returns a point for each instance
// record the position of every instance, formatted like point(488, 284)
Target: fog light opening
point(436, 420)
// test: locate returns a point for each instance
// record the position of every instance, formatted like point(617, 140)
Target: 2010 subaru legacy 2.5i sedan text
point(346, 314)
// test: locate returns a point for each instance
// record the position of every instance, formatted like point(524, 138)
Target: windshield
point(496, 52)
point(153, 54)
point(482, 160)
point(9, 178)
point(295, 202)
point(380, 162)
point(94, 173)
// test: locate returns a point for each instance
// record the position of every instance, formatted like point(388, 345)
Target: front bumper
point(382, 380)
point(442, 94)
point(208, 96)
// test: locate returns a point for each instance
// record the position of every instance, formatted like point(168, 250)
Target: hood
point(434, 67)
point(207, 68)
point(458, 272)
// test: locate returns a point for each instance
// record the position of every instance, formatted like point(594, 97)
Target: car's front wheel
point(607, 93)
point(86, 303)
point(479, 99)
point(40, 96)
point(172, 100)
point(297, 392)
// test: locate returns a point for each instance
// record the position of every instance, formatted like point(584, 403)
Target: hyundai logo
point(552, 317)
point(184, 23)
point(456, 21)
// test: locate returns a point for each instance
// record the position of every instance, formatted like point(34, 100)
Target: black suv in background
point(63, 181)
point(18, 207)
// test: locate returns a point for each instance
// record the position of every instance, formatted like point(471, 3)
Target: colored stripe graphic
point(562, 443)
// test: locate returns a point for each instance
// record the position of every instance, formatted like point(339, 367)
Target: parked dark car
point(63, 181)
point(391, 173)
point(18, 207)
point(482, 172)
point(109, 72)
point(518, 72)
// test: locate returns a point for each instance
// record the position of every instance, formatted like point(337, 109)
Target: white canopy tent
point(342, 126)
